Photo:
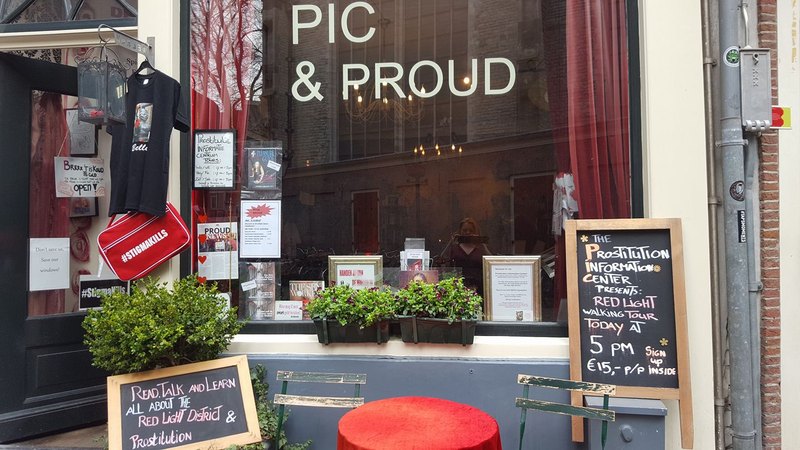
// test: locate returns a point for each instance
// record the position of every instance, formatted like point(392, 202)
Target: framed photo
point(82, 135)
point(83, 206)
point(214, 159)
point(355, 270)
point(263, 167)
point(512, 288)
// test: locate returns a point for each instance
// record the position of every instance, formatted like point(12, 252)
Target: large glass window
point(386, 120)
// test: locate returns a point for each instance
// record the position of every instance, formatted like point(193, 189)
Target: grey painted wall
point(489, 385)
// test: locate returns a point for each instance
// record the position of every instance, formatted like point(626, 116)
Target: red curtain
point(596, 116)
point(597, 86)
point(224, 36)
point(48, 214)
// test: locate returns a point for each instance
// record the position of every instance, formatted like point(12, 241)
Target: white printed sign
point(289, 310)
point(261, 229)
point(49, 264)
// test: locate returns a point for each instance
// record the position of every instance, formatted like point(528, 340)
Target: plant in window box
point(344, 314)
point(155, 327)
point(445, 312)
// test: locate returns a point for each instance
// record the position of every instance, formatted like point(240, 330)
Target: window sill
point(511, 329)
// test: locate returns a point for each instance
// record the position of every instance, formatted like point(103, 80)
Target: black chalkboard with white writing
point(627, 313)
point(184, 407)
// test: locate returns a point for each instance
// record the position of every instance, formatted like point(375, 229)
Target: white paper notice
point(80, 177)
point(49, 266)
point(512, 292)
point(289, 310)
point(261, 229)
point(359, 276)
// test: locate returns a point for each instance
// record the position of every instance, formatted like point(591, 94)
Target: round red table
point(405, 423)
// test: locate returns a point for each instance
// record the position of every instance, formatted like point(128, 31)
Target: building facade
point(430, 112)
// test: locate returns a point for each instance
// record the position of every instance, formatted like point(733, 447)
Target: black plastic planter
point(437, 331)
point(330, 331)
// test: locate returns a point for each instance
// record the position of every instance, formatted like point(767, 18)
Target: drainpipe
point(710, 32)
point(736, 263)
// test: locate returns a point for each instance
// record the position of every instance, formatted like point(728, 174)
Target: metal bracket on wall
point(131, 43)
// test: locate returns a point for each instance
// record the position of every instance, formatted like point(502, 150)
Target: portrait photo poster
point(263, 167)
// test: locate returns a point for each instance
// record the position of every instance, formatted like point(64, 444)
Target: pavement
point(90, 438)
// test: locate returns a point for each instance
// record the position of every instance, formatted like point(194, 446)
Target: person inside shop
point(467, 252)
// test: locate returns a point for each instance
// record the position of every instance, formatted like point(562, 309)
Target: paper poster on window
point(261, 229)
point(49, 264)
point(80, 177)
point(218, 251)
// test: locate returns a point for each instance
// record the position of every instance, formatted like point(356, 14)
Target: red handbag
point(139, 242)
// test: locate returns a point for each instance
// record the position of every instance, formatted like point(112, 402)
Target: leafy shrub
point(346, 305)
point(448, 299)
point(154, 327)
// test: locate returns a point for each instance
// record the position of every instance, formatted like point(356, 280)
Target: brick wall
point(770, 253)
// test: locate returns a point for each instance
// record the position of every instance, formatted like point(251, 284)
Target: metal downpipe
point(736, 222)
point(710, 33)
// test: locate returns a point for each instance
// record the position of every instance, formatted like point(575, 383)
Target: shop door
point(366, 222)
point(46, 380)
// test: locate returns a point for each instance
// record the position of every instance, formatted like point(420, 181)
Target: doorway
point(48, 383)
point(366, 222)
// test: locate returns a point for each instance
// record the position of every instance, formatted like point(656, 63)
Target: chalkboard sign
point(202, 405)
point(627, 310)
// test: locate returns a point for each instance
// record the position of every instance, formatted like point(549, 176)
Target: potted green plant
point(344, 314)
point(445, 312)
point(154, 327)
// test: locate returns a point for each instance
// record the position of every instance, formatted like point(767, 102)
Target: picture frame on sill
point(82, 135)
point(83, 207)
point(214, 160)
point(358, 271)
point(512, 288)
point(263, 167)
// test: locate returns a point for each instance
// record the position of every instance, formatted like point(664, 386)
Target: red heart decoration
point(202, 238)
point(201, 279)
point(202, 218)
point(202, 259)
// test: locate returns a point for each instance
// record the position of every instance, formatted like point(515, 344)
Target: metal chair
point(283, 399)
point(525, 403)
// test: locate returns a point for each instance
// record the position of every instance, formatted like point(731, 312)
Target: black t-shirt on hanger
point(140, 147)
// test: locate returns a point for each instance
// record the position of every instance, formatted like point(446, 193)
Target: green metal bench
point(525, 403)
point(283, 399)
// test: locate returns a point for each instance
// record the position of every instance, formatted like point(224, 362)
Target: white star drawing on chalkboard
point(656, 268)
point(584, 238)
point(664, 342)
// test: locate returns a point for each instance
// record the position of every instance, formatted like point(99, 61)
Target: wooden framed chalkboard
point(627, 311)
point(203, 405)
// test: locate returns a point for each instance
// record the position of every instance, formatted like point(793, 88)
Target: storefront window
point(383, 123)
point(47, 11)
point(64, 213)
